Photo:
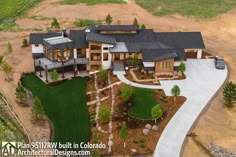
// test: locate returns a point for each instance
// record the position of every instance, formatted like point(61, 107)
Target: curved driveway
point(201, 83)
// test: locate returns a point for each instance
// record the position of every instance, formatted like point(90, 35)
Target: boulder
point(148, 126)
point(155, 127)
point(110, 143)
point(133, 151)
point(145, 131)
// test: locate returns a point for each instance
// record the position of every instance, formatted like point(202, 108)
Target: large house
point(112, 46)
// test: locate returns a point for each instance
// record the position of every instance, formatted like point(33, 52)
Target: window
point(36, 45)
point(81, 53)
point(105, 56)
point(96, 57)
point(105, 48)
point(165, 65)
point(66, 53)
point(95, 47)
point(57, 55)
point(49, 53)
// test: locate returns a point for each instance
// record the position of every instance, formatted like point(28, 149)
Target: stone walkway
point(201, 83)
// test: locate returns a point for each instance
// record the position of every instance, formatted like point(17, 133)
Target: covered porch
point(71, 68)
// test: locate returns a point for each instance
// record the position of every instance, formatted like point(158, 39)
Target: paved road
point(202, 82)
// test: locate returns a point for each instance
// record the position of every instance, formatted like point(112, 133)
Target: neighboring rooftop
point(37, 38)
point(114, 28)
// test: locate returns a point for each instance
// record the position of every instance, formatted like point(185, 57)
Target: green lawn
point(144, 100)
point(11, 9)
point(91, 2)
point(197, 8)
point(65, 105)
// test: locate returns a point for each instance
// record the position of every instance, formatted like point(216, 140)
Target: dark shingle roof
point(79, 38)
point(37, 38)
point(150, 55)
point(114, 27)
point(183, 40)
point(138, 46)
point(100, 38)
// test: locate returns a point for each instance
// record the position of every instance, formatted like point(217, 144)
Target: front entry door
point(117, 56)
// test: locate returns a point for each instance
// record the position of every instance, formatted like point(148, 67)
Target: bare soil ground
point(219, 35)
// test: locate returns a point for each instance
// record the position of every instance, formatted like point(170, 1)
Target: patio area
point(67, 75)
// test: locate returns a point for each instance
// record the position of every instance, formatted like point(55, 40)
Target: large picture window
point(96, 57)
point(57, 55)
point(66, 53)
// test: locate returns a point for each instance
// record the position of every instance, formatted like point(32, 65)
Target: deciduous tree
point(126, 92)
point(156, 112)
point(175, 91)
point(182, 67)
point(24, 42)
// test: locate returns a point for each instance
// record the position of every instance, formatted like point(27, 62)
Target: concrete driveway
point(201, 83)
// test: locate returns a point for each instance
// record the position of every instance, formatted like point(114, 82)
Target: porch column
point(124, 57)
point(63, 76)
point(74, 68)
point(46, 70)
point(34, 67)
point(199, 53)
point(40, 74)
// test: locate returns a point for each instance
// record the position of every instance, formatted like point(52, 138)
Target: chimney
point(64, 34)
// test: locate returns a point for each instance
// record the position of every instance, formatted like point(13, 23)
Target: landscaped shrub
point(21, 96)
point(54, 75)
point(142, 140)
point(93, 122)
point(55, 23)
point(156, 112)
point(135, 141)
point(142, 145)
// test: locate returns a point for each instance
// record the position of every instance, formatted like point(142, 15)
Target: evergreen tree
point(37, 110)
point(55, 23)
point(1, 60)
point(108, 19)
point(229, 94)
point(124, 133)
point(156, 112)
point(143, 26)
point(175, 91)
point(24, 42)
point(21, 95)
point(104, 115)
point(9, 47)
point(6, 68)
point(135, 21)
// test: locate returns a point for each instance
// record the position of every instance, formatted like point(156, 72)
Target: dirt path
point(218, 33)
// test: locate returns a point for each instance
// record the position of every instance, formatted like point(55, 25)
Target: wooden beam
point(40, 73)
point(63, 75)
point(46, 70)
point(74, 68)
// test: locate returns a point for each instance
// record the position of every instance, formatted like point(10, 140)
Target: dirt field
point(219, 35)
